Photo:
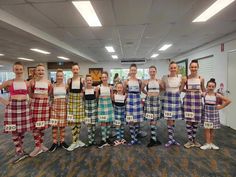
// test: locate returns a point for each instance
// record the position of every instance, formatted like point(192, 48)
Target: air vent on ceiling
point(129, 61)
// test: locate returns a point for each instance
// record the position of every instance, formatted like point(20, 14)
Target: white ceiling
point(136, 28)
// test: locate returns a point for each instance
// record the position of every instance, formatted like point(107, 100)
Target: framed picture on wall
point(31, 71)
point(96, 74)
point(183, 67)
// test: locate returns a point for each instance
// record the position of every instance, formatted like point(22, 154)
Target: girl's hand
point(4, 102)
point(219, 107)
point(7, 102)
point(82, 94)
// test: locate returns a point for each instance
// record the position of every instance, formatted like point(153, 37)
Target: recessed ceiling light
point(63, 58)
point(87, 11)
point(40, 51)
point(164, 47)
point(110, 49)
point(114, 56)
point(26, 59)
point(154, 55)
point(212, 10)
point(1, 54)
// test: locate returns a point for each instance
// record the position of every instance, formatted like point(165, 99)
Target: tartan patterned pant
point(38, 137)
point(18, 141)
point(75, 132)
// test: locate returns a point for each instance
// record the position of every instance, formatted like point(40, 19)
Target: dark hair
point(88, 75)
point(18, 63)
point(116, 75)
point(153, 67)
point(212, 80)
point(172, 62)
point(105, 72)
point(133, 65)
point(74, 64)
point(194, 61)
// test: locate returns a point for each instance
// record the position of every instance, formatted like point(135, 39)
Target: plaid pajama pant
point(120, 113)
point(59, 112)
point(91, 110)
point(211, 114)
point(172, 103)
point(40, 112)
point(134, 107)
point(17, 114)
point(105, 108)
point(76, 108)
point(193, 103)
point(152, 106)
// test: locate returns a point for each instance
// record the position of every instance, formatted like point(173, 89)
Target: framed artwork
point(96, 74)
point(31, 71)
point(183, 67)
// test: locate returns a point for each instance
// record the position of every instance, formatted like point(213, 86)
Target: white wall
point(219, 58)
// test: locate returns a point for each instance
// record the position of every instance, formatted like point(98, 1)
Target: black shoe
point(64, 145)
point(102, 144)
point(153, 143)
point(53, 147)
point(88, 144)
point(142, 134)
point(158, 142)
point(110, 142)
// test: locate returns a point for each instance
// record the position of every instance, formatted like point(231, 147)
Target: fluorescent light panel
point(114, 56)
point(154, 55)
point(1, 65)
point(26, 59)
point(212, 10)
point(87, 11)
point(63, 58)
point(164, 47)
point(40, 51)
point(1, 54)
point(110, 49)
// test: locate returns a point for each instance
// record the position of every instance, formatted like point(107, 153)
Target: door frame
point(227, 94)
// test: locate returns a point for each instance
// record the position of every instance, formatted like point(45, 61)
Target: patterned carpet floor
point(124, 161)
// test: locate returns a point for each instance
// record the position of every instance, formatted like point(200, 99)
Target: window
point(4, 76)
point(206, 68)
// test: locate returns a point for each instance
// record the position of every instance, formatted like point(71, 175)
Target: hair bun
point(212, 80)
point(194, 61)
point(59, 70)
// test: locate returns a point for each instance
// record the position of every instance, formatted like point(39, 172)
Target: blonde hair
point(119, 83)
point(59, 70)
point(40, 64)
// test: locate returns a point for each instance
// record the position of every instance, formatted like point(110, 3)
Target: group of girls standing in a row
point(37, 104)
